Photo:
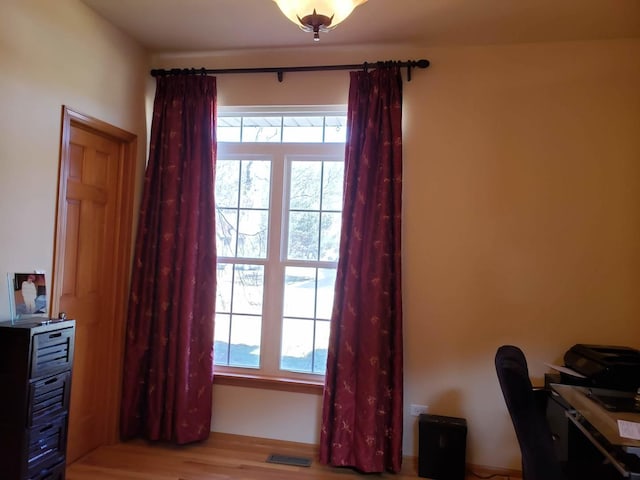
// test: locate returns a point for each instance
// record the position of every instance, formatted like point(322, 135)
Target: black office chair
point(539, 461)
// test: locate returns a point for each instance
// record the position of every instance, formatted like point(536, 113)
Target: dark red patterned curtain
point(362, 404)
point(168, 366)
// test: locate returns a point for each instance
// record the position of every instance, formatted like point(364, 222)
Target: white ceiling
point(207, 25)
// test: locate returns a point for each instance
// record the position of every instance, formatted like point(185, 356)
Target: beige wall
point(521, 218)
point(54, 53)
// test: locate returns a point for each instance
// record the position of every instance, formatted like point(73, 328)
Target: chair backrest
point(539, 461)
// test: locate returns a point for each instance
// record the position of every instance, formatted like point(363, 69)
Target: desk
point(599, 426)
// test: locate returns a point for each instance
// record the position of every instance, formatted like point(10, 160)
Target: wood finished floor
point(222, 457)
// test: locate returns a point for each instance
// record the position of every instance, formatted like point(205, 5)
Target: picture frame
point(27, 295)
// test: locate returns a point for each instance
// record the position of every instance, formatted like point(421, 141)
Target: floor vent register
point(289, 460)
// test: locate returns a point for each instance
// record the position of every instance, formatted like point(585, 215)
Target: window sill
point(269, 383)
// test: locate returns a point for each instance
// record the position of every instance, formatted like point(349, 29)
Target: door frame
point(123, 247)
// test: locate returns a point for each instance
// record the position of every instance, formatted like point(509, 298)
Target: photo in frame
point(27, 295)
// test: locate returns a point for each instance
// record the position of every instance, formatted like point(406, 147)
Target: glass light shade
point(295, 10)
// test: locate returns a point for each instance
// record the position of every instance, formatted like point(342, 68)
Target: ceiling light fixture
point(317, 15)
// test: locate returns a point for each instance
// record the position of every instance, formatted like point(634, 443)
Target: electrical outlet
point(417, 410)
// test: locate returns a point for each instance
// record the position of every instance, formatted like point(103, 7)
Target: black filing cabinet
point(35, 382)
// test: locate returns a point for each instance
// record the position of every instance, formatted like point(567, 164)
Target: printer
point(605, 366)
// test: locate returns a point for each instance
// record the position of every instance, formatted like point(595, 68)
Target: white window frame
point(281, 155)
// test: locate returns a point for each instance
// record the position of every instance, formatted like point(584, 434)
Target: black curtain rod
point(280, 71)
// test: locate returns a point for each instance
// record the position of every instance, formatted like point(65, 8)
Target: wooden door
point(91, 270)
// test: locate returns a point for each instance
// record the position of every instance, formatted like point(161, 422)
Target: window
point(279, 179)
